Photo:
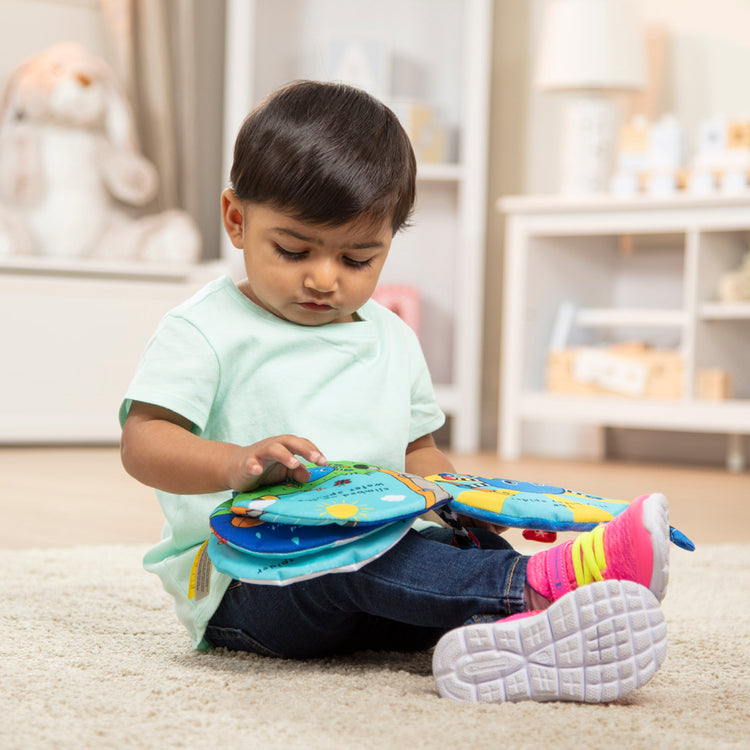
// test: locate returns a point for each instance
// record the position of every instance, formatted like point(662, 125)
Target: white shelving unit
point(638, 268)
point(438, 52)
point(72, 335)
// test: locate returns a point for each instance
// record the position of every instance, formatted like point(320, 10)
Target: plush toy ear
point(9, 103)
point(130, 176)
point(20, 168)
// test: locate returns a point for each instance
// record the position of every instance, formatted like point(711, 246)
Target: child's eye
point(359, 264)
point(288, 254)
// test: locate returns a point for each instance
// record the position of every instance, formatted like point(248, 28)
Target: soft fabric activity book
point(350, 513)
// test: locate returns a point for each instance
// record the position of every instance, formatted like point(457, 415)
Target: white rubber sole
point(593, 645)
point(656, 522)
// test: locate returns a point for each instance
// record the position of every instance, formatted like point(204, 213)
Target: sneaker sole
point(593, 645)
point(656, 522)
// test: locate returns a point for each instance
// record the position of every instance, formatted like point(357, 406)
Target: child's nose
point(322, 277)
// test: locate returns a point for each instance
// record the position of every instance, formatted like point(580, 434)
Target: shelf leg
point(509, 435)
point(735, 454)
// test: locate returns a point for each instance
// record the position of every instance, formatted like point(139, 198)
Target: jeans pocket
point(236, 639)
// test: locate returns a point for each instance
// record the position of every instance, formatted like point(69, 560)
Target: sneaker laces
point(588, 556)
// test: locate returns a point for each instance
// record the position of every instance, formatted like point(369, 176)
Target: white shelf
point(691, 415)
point(640, 318)
point(534, 204)
point(725, 311)
point(88, 267)
point(565, 254)
point(68, 358)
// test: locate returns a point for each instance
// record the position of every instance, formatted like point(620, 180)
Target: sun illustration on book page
point(352, 510)
point(345, 511)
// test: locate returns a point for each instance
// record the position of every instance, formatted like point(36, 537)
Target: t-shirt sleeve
point(179, 371)
point(426, 415)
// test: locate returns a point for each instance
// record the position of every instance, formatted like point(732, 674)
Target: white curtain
point(153, 43)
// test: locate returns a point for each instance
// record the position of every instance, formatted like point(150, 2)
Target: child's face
point(302, 272)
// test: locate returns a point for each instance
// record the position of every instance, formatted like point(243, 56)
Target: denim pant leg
point(404, 600)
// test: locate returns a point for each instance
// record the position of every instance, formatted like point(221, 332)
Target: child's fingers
point(298, 446)
point(275, 459)
point(300, 474)
point(285, 450)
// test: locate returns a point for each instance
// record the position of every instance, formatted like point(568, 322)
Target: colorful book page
point(255, 536)
point(346, 493)
point(525, 504)
point(281, 570)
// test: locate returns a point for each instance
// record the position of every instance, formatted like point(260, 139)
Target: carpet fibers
point(92, 656)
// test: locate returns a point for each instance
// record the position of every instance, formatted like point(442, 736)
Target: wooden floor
point(61, 497)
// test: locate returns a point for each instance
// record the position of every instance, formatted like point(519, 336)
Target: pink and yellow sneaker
point(594, 645)
point(633, 546)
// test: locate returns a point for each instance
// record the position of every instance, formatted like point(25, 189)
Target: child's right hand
point(272, 461)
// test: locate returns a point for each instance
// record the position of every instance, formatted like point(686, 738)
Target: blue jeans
point(403, 601)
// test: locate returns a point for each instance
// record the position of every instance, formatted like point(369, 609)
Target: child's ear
point(232, 215)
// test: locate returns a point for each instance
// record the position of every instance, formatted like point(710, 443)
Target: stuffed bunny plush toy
point(70, 172)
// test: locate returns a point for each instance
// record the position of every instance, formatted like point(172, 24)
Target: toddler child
point(245, 382)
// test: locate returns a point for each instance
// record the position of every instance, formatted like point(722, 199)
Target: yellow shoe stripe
point(588, 556)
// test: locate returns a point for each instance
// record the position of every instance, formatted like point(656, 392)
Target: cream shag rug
point(92, 656)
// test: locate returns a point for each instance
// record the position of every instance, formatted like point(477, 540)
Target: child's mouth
point(315, 307)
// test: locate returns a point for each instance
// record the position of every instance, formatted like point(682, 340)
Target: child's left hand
point(476, 523)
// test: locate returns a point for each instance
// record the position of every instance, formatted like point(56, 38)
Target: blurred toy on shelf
point(361, 62)
point(734, 286)
point(631, 369)
point(428, 136)
point(73, 182)
point(632, 158)
point(369, 64)
point(724, 153)
point(402, 299)
point(713, 384)
point(651, 158)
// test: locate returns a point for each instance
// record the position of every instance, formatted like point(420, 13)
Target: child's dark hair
point(327, 153)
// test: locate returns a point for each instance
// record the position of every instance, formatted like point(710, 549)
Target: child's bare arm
point(423, 458)
point(158, 449)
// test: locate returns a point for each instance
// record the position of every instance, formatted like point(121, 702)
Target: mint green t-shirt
point(360, 391)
